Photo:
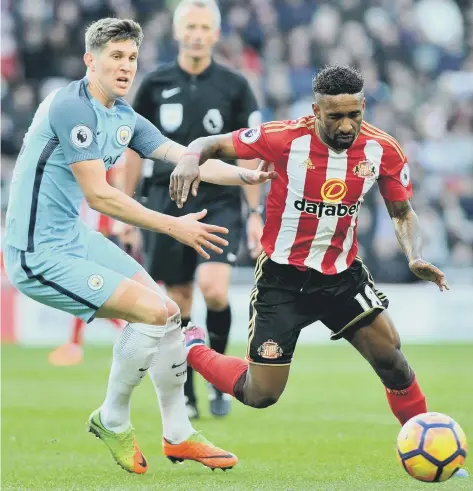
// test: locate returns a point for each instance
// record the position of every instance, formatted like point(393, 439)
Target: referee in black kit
point(187, 99)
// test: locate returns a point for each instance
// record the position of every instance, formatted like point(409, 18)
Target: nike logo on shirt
point(167, 93)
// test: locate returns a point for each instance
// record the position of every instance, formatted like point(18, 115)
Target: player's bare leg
point(380, 345)
point(213, 279)
point(262, 386)
point(254, 385)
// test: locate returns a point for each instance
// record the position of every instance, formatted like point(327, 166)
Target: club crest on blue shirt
point(124, 135)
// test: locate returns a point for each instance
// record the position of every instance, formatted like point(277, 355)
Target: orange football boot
point(198, 448)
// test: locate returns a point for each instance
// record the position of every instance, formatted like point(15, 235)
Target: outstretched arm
point(217, 146)
point(213, 171)
point(220, 147)
point(408, 233)
point(407, 228)
point(187, 176)
point(148, 142)
point(110, 201)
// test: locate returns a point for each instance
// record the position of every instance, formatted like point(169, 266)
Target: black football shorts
point(286, 299)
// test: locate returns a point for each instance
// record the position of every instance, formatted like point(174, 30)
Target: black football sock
point(218, 327)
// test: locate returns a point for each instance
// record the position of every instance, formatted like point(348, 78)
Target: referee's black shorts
point(171, 261)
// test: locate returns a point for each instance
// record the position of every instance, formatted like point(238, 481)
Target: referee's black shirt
point(185, 107)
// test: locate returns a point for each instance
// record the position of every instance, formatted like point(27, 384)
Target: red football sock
point(407, 403)
point(77, 331)
point(220, 370)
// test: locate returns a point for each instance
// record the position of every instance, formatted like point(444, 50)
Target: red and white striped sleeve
point(394, 177)
point(260, 142)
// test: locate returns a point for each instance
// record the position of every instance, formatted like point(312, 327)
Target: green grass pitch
point(331, 430)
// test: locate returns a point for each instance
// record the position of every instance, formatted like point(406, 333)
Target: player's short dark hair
point(336, 80)
point(102, 31)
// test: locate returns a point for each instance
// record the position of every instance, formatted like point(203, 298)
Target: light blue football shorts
point(77, 278)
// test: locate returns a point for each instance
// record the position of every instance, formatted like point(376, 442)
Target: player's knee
point(215, 297)
point(180, 292)
point(261, 398)
point(261, 401)
point(157, 315)
point(182, 297)
point(388, 359)
point(172, 307)
point(393, 368)
point(217, 302)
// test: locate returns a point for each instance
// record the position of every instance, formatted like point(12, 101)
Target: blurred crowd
point(416, 56)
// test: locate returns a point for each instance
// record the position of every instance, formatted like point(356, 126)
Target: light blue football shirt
point(69, 126)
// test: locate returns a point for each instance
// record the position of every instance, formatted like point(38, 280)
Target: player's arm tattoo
point(407, 227)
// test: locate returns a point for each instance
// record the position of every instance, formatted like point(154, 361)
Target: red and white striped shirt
point(312, 207)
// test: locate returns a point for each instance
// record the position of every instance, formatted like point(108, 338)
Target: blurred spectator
point(416, 56)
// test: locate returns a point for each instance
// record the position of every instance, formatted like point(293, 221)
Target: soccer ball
point(431, 447)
